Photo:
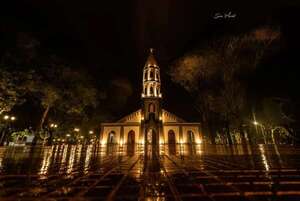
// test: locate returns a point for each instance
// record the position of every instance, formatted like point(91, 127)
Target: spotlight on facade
point(255, 123)
point(91, 132)
point(76, 129)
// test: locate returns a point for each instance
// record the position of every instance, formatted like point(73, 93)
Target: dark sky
point(111, 38)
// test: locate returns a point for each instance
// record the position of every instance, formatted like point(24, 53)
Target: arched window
point(151, 108)
point(131, 137)
point(171, 137)
point(111, 137)
point(151, 90)
point(145, 90)
point(191, 137)
point(151, 75)
point(146, 75)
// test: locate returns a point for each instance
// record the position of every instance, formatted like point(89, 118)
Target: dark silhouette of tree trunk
point(40, 126)
point(46, 111)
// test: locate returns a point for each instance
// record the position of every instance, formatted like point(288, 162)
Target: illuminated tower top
point(151, 78)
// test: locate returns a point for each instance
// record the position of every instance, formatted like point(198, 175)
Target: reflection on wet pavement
point(179, 172)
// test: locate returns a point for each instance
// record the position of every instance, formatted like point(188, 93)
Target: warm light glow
point(255, 123)
point(12, 118)
point(68, 135)
point(91, 132)
point(53, 125)
point(81, 136)
point(76, 129)
point(6, 117)
point(264, 158)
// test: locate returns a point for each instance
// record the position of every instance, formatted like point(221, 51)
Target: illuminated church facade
point(151, 124)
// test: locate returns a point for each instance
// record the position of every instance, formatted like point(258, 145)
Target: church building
point(151, 124)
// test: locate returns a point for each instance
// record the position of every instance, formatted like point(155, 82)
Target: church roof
point(135, 117)
point(151, 61)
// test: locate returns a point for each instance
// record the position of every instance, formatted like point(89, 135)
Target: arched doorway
point(171, 142)
point(111, 137)
point(191, 143)
point(171, 137)
point(190, 137)
point(130, 143)
point(131, 137)
point(151, 148)
point(149, 137)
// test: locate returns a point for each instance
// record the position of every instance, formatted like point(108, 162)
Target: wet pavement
point(180, 172)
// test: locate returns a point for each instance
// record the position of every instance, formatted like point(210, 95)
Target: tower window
point(151, 90)
point(146, 75)
point(151, 75)
point(151, 108)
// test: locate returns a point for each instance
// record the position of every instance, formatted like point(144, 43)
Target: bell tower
point(151, 122)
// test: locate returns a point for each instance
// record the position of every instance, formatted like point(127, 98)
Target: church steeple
point(151, 77)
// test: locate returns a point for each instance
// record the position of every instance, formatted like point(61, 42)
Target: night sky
point(111, 40)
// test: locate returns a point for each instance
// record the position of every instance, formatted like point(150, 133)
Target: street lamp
point(7, 119)
point(53, 125)
point(262, 130)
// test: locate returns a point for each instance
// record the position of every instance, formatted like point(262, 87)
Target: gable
point(170, 117)
point(132, 117)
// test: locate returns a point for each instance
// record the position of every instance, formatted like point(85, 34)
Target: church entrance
point(171, 137)
point(130, 143)
point(131, 137)
point(171, 142)
point(111, 138)
point(151, 137)
point(151, 141)
point(191, 143)
point(191, 137)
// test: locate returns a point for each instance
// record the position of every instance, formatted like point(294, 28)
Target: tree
point(61, 89)
point(217, 75)
point(11, 89)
